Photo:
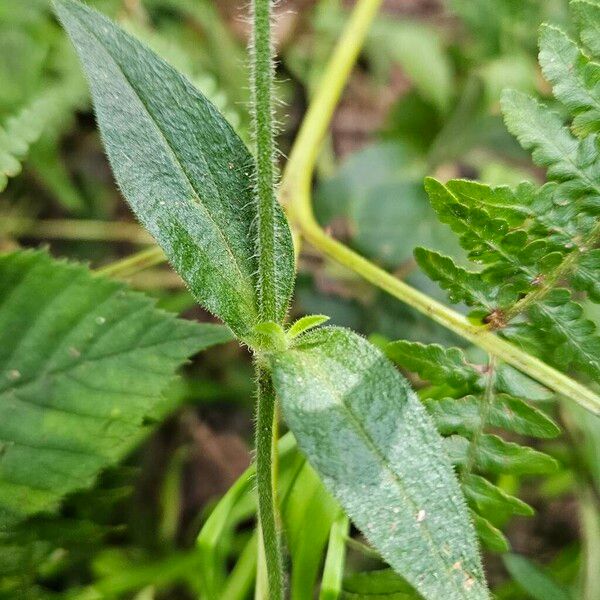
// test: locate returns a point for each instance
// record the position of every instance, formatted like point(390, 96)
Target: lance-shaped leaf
point(83, 363)
point(184, 171)
point(378, 453)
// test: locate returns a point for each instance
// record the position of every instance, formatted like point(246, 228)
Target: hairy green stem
point(262, 100)
point(266, 482)
point(296, 194)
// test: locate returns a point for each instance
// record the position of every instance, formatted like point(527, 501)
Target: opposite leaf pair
point(188, 178)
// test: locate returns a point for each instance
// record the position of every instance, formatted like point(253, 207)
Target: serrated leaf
point(572, 338)
point(461, 285)
point(501, 202)
point(464, 416)
point(489, 498)
point(367, 435)
point(484, 237)
point(24, 128)
point(182, 168)
point(83, 363)
point(491, 536)
point(541, 131)
point(575, 79)
point(434, 363)
point(588, 17)
point(586, 277)
point(514, 383)
point(494, 455)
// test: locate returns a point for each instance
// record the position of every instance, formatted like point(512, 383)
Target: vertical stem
point(262, 101)
point(265, 480)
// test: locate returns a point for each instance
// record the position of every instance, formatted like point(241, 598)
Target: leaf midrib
point(180, 164)
point(368, 440)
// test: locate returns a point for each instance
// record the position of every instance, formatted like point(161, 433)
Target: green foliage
point(529, 241)
point(464, 400)
point(81, 386)
point(534, 580)
point(182, 168)
point(26, 127)
point(191, 181)
point(367, 436)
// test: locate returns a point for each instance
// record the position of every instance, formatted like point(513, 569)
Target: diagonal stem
point(296, 195)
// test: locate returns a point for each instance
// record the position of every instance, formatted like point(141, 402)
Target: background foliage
point(425, 100)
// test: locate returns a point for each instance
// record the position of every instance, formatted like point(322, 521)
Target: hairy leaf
point(184, 171)
point(369, 438)
point(83, 363)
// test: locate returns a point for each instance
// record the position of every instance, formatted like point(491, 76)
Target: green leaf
point(462, 285)
point(586, 277)
point(491, 536)
point(305, 323)
point(308, 501)
point(514, 383)
point(572, 338)
point(533, 580)
point(434, 363)
point(492, 454)
point(490, 499)
point(83, 363)
point(587, 14)
point(487, 238)
point(552, 145)
point(463, 415)
point(369, 438)
point(26, 127)
point(575, 79)
point(376, 585)
point(419, 49)
point(184, 171)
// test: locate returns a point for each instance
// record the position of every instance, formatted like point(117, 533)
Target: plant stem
point(77, 229)
point(133, 264)
point(484, 411)
point(262, 100)
point(296, 194)
point(266, 482)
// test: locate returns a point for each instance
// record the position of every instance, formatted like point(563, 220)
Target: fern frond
point(531, 242)
point(466, 401)
point(575, 78)
point(22, 130)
